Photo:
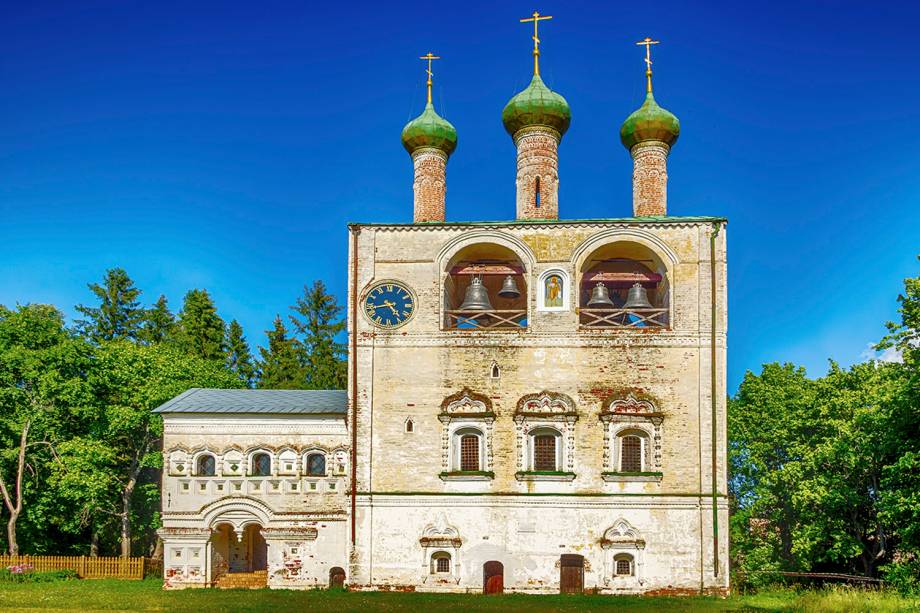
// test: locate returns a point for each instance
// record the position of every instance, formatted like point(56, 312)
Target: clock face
point(389, 305)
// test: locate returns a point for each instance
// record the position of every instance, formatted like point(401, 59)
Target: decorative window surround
point(620, 539)
point(436, 539)
point(622, 415)
point(465, 409)
point(566, 290)
point(549, 411)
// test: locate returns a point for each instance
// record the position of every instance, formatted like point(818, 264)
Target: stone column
point(430, 184)
point(537, 173)
point(650, 178)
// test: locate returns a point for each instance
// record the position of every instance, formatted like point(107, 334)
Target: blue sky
point(225, 145)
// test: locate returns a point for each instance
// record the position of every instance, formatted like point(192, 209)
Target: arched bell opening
point(624, 285)
point(485, 288)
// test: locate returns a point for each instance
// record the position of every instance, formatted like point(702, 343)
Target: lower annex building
point(535, 405)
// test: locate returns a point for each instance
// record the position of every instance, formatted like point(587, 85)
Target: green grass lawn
point(113, 595)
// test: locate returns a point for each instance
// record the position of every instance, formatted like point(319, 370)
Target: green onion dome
point(429, 130)
point(537, 105)
point(650, 122)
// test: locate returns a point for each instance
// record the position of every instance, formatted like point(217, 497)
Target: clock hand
point(392, 306)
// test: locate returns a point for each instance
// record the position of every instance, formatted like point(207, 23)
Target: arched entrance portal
point(235, 552)
point(493, 577)
point(571, 574)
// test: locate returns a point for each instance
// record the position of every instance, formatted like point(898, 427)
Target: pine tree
point(119, 314)
point(159, 324)
point(239, 359)
point(280, 366)
point(200, 329)
point(318, 325)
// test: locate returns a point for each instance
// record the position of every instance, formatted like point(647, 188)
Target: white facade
point(244, 493)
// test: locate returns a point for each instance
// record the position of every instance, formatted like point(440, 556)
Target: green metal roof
point(537, 105)
point(551, 222)
point(429, 130)
point(650, 122)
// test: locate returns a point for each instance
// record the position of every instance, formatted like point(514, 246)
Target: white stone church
point(535, 405)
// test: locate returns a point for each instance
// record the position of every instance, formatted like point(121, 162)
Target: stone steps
point(241, 581)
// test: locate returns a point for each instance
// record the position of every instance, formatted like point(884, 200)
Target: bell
point(600, 297)
point(637, 298)
point(476, 298)
point(509, 288)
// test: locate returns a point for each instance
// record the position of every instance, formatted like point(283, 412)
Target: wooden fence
point(86, 567)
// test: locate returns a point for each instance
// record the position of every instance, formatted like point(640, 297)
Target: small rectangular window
point(624, 567)
point(443, 564)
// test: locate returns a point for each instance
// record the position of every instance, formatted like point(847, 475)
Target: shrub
point(25, 573)
point(903, 574)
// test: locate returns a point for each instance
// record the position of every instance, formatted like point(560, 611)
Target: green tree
point(280, 367)
point(317, 323)
point(119, 314)
point(239, 358)
point(44, 395)
point(159, 323)
point(200, 329)
point(102, 472)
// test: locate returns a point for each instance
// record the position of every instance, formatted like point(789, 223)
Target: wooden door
point(571, 574)
point(493, 577)
point(336, 577)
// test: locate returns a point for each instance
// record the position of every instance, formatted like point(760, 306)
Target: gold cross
point(430, 57)
point(536, 19)
point(648, 42)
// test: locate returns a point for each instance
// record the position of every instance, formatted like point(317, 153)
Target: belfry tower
point(648, 134)
point(429, 139)
point(536, 119)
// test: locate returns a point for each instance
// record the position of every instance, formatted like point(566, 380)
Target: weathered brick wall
point(537, 161)
point(430, 185)
point(650, 179)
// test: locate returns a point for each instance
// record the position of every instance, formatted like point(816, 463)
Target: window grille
point(631, 454)
point(206, 466)
point(261, 465)
point(442, 564)
point(316, 465)
point(624, 566)
point(469, 452)
point(544, 452)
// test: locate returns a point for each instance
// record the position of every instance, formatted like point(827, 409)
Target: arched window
point(440, 563)
point(207, 465)
point(536, 198)
point(468, 449)
point(261, 465)
point(623, 565)
point(410, 425)
point(316, 465)
point(546, 450)
point(495, 372)
point(632, 445)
